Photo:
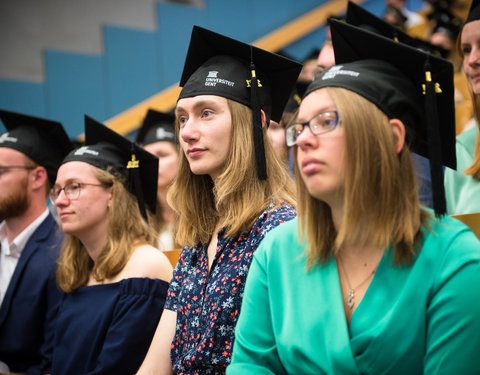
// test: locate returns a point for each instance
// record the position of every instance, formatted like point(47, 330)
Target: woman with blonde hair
point(366, 281)
point(114, 278)
point(230, 190)
point(463, 185)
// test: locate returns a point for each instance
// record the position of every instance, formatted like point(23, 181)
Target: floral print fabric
point(208, 304)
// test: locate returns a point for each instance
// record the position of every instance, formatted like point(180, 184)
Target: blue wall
point(136, 64)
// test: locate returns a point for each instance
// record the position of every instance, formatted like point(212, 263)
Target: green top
point(462, 192)
point(422, 318)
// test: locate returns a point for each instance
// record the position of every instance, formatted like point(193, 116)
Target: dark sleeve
point(53, 300)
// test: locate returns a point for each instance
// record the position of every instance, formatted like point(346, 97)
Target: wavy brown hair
point(381, 204)
point(126, 230)
point(238, 197)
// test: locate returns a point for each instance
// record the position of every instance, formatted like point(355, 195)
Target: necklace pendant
point(351, 298)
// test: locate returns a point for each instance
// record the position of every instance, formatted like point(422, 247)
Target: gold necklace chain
point(351, 291)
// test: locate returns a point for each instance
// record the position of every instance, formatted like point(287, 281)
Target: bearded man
point(30, 240)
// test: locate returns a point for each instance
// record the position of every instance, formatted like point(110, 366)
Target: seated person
point(365, 281)
point(114, 278)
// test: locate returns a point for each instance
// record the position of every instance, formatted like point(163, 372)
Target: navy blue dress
point(107, 329)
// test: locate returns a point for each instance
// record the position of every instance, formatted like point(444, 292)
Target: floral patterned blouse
point(208, 304)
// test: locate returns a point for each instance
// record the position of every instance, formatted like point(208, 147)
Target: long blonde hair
point(474, 168)
point(381, 204)
point(238, 197)
point(126, 230)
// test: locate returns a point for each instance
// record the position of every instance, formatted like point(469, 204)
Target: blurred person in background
point(157, 136)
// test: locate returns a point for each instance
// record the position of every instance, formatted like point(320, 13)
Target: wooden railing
point(471, 220)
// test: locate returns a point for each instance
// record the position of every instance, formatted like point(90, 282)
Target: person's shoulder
point(148, 261)
point(284, 234)
point(272, 217)
point(450, 238)
point(467, 140)
point(281, 246)
point(280, 213)
point(46, 240)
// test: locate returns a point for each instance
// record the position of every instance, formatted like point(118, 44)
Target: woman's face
point(167, 162)
point(89, 211)
point(276, 134)
point(205, 133)
point(470, 45)
point(321, 158)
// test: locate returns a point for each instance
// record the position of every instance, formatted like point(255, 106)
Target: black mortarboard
point(44, 141)
point(104, 149)
point(222, 66)
point(360, 17)
point(157, 127)
point(405, 83)
point(296, 96)
point(450, 28)
point(474, 12)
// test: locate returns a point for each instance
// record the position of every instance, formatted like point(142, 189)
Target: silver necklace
point(351, 291)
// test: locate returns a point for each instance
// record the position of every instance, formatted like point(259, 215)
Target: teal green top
point(417, 319)
point(462, 192)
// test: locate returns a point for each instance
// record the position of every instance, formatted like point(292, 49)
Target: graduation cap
point(296, 96)
point(104, 149)
point(44, 141)
point(222, 66)
point(474, 12)
point(405, 83)
point(360, 17)
point(157, 127)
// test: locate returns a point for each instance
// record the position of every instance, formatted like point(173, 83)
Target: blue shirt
point(208, 304)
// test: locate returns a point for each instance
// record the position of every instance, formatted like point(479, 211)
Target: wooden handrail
point(130, 119)
point(471, 220)
point(173, 256)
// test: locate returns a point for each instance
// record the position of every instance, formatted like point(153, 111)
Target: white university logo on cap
point(212, 80)
point(85, 150)
point(337, 70)
point(162, 134)
point(5, 138)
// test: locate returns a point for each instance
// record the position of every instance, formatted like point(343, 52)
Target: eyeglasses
point(5, 168)
point(71, 190)
point(324, 122)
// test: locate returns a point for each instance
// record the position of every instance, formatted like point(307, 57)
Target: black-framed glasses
point(71, 190)
point(5, 168)
point(323, 122)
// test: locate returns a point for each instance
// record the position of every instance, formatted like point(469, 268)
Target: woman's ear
point(110, 197)
point(398, 130)
point(264, 118)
